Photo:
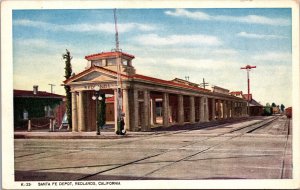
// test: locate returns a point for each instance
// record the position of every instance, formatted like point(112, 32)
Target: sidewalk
point(76, 135)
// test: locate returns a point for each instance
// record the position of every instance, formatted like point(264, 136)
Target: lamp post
point(97, 97)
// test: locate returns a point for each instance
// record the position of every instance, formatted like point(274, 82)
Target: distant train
point(289, 112)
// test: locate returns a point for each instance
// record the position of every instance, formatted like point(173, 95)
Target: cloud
point(95, 27)
point(38, 43)
point(274, 57)
point(190, 40)
point(187, 64)
point(259, 36)
point(249, 19)
point(193, 15)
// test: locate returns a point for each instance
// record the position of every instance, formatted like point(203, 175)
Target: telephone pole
point(248, 68)
point(203, 84)
point(119, 102)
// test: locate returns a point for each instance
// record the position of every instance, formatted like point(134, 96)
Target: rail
point(51, 125)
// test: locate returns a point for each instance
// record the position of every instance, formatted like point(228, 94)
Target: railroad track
point(234, 133)
point(287, 129)
point(242, 131)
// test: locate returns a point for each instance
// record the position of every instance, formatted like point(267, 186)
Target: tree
point(68, 72)
point(282, 107)
point(267, 110)
point(273, 105)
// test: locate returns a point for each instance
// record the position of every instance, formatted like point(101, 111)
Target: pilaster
point(192, 109)
point(180, 110)
point(165, 109)
point(126, 109)
point(81, 109)
point(74, 113)
point(213, 110)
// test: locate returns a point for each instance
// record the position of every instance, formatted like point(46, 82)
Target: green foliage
point(102, 110)
point(68, 67)
point(267, 110)
point(68, 72)
point(273, 105)
point(282, 107)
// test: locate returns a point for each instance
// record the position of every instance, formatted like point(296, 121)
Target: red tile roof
point(245, 96)
point(137, 76)
point(143, 77)
point(40, 94)
point(236, 93)
point(107, 54)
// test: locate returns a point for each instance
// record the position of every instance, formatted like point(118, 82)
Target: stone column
point(74, 113)
point(213, 110)
point(135, 118)
point(206, 111)
point(165, 109)
point(219, 110)
point(180, 110)
point(228, 109)
point(81, 121)
point(224, 109)
point(153, 111)
point(238, 109)
point(146, 121)
point(116, 109)
point(126, 109)
point(192, 109)
point(89, 112)
point(201, 109)
point(234, 109)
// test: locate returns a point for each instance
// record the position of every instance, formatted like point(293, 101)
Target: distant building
point(275, 110)
point(237, 94)
point(247, 96)
point(34, 104)
point(255, 108)
point(220, 90)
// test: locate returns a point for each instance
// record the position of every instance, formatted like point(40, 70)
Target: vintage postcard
point(150, 94)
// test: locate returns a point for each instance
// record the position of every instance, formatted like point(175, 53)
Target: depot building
point(147, 102)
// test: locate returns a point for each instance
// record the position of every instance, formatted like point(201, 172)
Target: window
point(97, 62)
point(111, 62)
point(125, 62)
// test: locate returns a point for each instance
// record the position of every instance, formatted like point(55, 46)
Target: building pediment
point(93, 74)
point(96, 76)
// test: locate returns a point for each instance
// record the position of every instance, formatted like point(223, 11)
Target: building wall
point(110, 113)
point(34, 106)
point(256, 111)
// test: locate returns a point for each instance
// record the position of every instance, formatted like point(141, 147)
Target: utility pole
point(203, 84)
point(52, 87)
point(248, 68)
point(119, 102)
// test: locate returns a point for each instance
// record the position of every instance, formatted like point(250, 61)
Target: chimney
point(35, 89)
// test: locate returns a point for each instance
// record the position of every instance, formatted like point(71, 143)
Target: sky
point(167, 43)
